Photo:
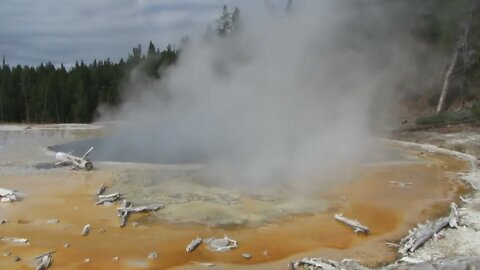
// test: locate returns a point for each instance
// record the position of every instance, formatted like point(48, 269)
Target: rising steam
point(292, 99)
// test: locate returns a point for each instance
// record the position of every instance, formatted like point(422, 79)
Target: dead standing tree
point(461, 49)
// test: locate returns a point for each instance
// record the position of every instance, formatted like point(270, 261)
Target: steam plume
point(292, 99)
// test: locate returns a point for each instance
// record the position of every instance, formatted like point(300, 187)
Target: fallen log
point(15, 240)
point(353, 223)
point(425, 232)
point(44, 261)
point(113, 195)
point(193, 245)
point(314, 263)
point(325, 264)
point(86, 230)
point(204, 264)
point(101, 189)
point(123, 218)
point(144, 208)
point(108, 198)
point(7, 195)
point(126, 208)
point(124, 214)
point(460, 262)
point(46, 253)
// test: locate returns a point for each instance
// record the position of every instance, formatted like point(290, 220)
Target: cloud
point(65, 30)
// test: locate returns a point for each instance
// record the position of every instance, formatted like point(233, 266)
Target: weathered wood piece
point(46, 253)
point(204, 264)
point(425, 232)
point(110, 198)
point(123, 218)
point(101, 190)
point(392, 245)
point(126, 208)
point(124, 214)
point(194, 244)
point(355, 224)
point(15, 240)
point(7, 195)
point(113, 195)
point(325, 264)
point(410, 260)
point(247, 256)
point(449, 263)
point(313, 263)
point(144, 208)
point(86, 230)
point(44, 261)
point(76, 162)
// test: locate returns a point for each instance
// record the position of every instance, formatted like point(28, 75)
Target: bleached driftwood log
point(113, 195)
point(313, 263)
point(194, 244)
point(110, 198)
point(7, 195)
point(15, 240)
point(86, 230)
point(461, 262)
point(355, 224)
point(425, 232)
point(126, 208)
point(325, 264)
point(204, 264)
point(44, 261)
point(124, 214)
point(131, 209)
point(101, 189)
point(42, 255)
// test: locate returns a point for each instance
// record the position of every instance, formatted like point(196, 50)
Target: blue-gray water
point(106, 150)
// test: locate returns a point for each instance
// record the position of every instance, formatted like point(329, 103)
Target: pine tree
point(224, 23)
point(237, 22)
point(289, 7)
point(151, 50)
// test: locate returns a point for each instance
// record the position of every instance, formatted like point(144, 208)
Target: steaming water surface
point(169, 153)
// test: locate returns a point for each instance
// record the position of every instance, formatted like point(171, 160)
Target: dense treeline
point(56, 94)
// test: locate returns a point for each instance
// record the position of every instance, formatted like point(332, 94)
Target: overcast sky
point(63, 31)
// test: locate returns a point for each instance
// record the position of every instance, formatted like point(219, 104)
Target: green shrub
point(445, 117)
point(476, 110)
point(434, 119)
